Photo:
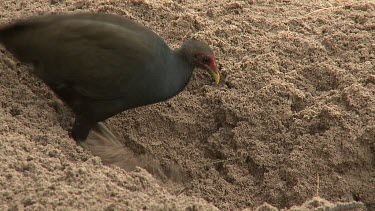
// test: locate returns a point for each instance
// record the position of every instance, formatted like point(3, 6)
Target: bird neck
point(179, 72)
point(184, 53)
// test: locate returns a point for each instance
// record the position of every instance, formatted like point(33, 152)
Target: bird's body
point(100, 64)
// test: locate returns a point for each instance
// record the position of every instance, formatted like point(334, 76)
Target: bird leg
point(81, 129)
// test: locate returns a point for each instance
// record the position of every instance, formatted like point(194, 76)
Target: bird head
point(200, 55)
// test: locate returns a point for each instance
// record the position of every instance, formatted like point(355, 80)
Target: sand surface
point(293, 118)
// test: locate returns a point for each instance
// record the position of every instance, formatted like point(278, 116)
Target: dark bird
point(102, 64)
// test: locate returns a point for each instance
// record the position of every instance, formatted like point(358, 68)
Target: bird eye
point(206, 59)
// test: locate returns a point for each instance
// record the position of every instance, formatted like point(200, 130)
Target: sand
point(292, 119)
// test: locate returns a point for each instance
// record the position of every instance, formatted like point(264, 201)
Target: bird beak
point(215, 75)
point(214, 72)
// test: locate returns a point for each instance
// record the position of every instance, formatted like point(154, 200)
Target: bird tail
point(6, 31)
point(103, 143)
point(11, 30)
point(1, 34)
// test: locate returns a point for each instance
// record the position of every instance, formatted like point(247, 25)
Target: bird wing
point(101, 59)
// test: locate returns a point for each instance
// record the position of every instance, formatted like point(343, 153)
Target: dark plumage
point(102, 64)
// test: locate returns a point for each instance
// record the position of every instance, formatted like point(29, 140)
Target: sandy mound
point(297, 103)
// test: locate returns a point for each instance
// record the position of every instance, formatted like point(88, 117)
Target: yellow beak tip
point(216, 77)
